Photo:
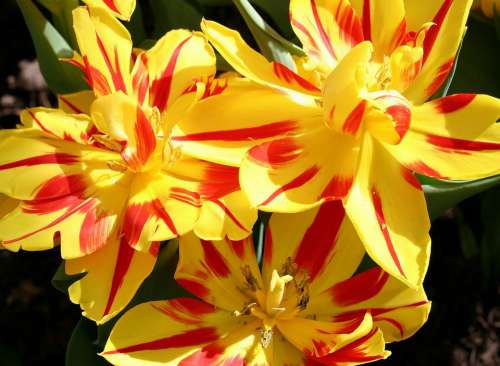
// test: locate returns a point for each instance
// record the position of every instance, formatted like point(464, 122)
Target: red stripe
point(267, 257)
point(193, 287)
point(441, 75)
point(140, 80)
point(193, 337)
point(238, 247)
point(192, 306)
point(287, 75)
point(110, 4)
point(228, 212)
point(359, 288)
point(401, 115)
point(277, 152)
point(320, 239)
point(40, 124)
point(453, 103)
point(73, 107)
point(410, 178)
point(431, 36)
point(337, 188)
point(353, 121)
point(214, 259)
point(301, 27)
point(351, 29)
point(324, 36)
point(145, 137)
point(295, 183)
point(219, 181)
point(81, 207)
point(377, 205)
point(136, 216)
point(423, 168)
point(394, 323)
point(162, 213)
point(53, 158)
point(162, 86)
point(243, 134)
point(459, 144)
point(123, 260)
point(174, 315)
point(367, 26)
point(116, 75)
point(95, 230)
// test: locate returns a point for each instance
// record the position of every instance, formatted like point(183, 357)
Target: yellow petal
point(113, 275)
point(397, 310)
point(122, 9)
point(384, 24)
point(177, 60)
point(320, 242)
point(252, 64)
point(209, 131)
point(160, 207)
point(217, 271)
point(106, 49)
point(328, 29)
point(456, 137)
point(58, 124)
point(164, 333)
point(123, 120)
point(343, 104)
point(298, 173)
point(441, 42)
point(78, 102)
point(388, 209)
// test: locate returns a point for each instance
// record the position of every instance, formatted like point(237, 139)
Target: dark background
point(36, 320)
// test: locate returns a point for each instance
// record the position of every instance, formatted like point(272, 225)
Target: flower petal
point(320, 241)
point(177, 60)
point(364, 350)
point(388, 210)
point(209, 131)
point(113, 275)
point(122, 9)
point(78, 102)
point(455, 137)
point(441, 42)
point(298, 173)
point(320, 338)
point(106, 49)
point(124, 121)
point(218, 272)
point(327, 29)
point(166, 332)
point(252, 64)
point(384, 24)
point(160, 207)
point(397, 310)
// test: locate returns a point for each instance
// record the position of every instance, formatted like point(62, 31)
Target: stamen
point(266, 337)
point(117, 166)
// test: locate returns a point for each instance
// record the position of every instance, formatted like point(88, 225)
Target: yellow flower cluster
point(162, 147)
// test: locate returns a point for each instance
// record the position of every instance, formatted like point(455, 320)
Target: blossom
point(100, 176)
point(306, 307)
point(122, 9)
point(350, 121)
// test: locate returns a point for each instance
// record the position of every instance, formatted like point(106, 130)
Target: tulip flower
point(101, 177)
point(306, 307)
point(122, 9)
point(350, 121)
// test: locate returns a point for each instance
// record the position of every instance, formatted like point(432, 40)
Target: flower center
point(283, 299)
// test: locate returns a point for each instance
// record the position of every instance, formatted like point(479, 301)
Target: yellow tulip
point(350, 121)
point(101, 176)
point(306, 307)
point(122, 9)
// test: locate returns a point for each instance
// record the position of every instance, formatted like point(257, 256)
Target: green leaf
point(173, 14)
point(442, 195)
point(61, 281)
point(159, 285)
point(50, 46)
point(62, 16)
point(272, 45)
point(82, 348)
point(278, 11)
